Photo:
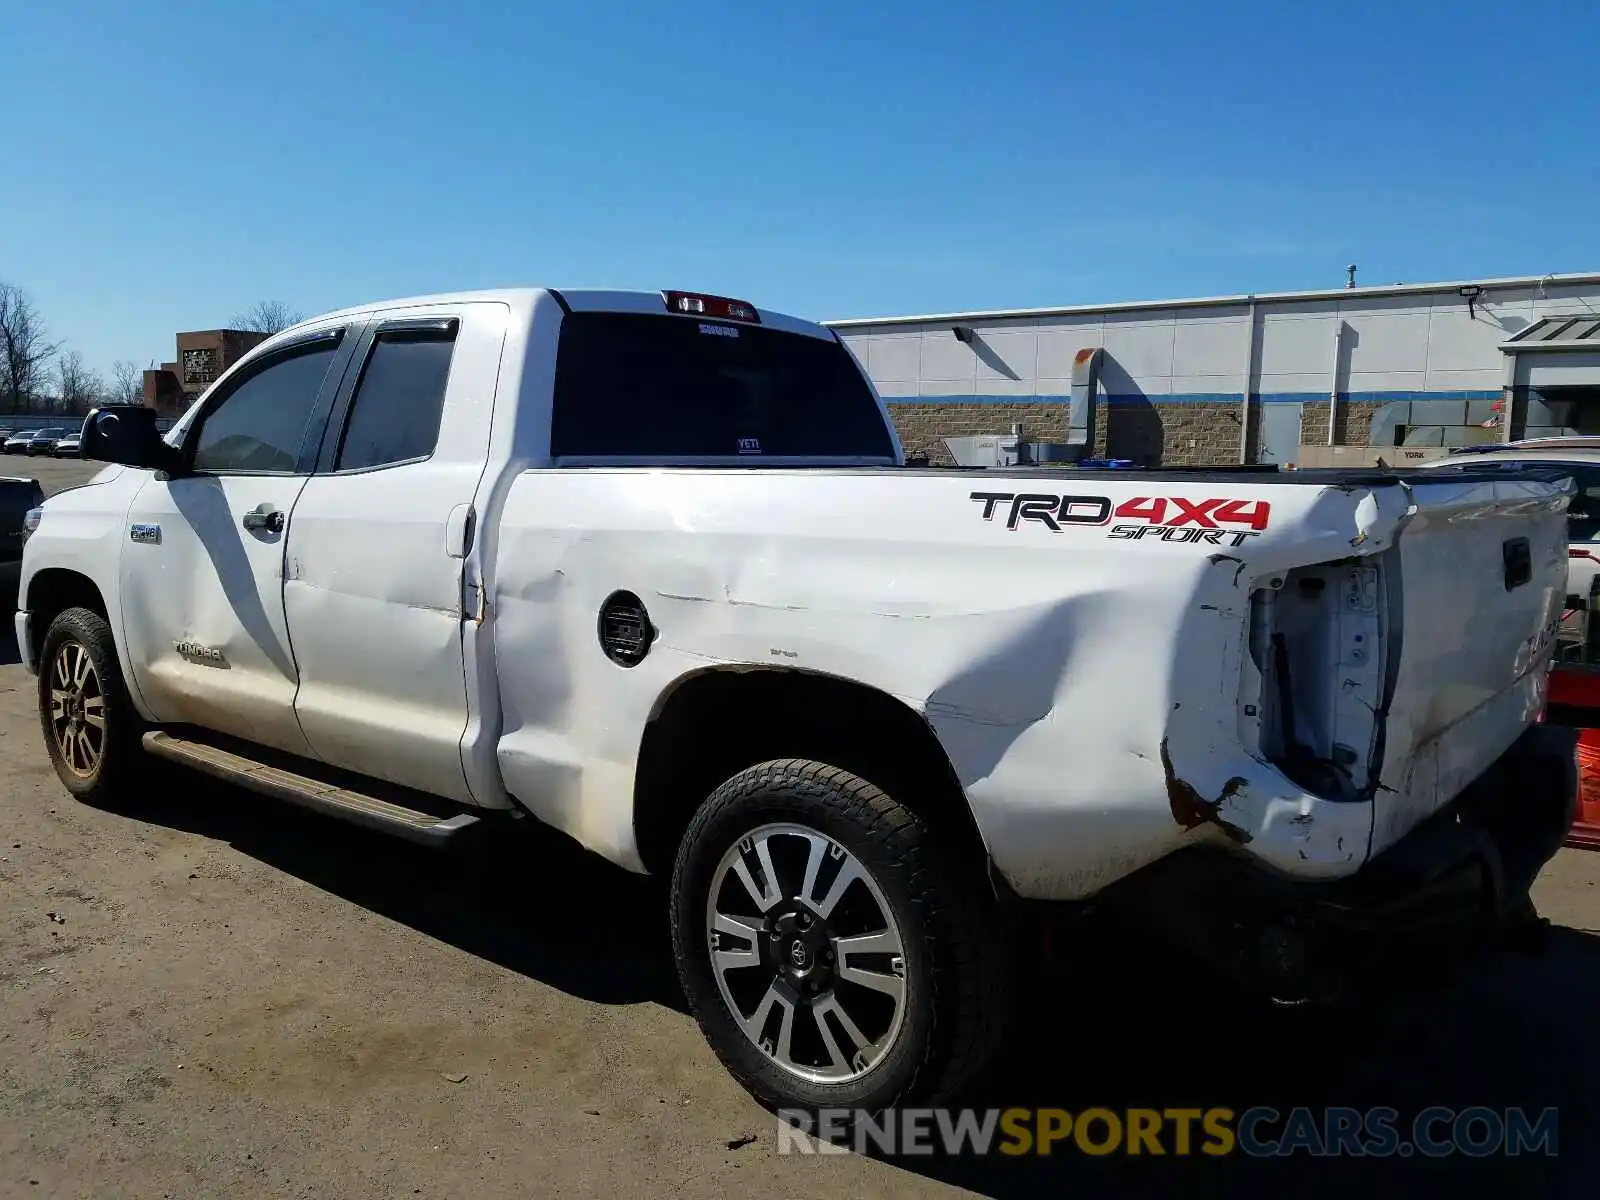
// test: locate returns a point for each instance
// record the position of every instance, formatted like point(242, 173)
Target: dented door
point(202, 605)
point(374, 580)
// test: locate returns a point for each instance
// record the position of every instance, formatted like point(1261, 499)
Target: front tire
point(91, 729)
point(833, 957)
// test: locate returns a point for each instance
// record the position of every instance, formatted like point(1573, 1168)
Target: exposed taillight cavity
point(698, 304)
point(1314, 680)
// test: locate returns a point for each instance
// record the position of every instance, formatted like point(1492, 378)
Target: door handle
point(263, 518)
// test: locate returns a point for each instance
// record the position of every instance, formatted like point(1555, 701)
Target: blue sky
point(170, 163)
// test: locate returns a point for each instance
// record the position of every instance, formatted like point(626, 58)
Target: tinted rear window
point(637, 385)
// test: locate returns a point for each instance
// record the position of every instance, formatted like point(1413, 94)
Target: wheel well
point(715, 724)
point(54, 590)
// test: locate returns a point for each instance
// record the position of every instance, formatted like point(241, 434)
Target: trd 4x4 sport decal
point(1213, 521)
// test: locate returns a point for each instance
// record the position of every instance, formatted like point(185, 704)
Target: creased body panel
point(1084, 677)
point(1048, 657)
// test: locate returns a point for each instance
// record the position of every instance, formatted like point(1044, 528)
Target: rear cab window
point(640, 385)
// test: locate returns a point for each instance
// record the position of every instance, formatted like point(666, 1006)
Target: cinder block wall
point(923, 427)
point(1353, 427)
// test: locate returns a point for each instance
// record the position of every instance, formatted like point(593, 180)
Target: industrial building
point(1310, 378)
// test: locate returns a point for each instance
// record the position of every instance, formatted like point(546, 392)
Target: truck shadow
point(1138, 1030)
point(525, 897)
point(1110, 1023)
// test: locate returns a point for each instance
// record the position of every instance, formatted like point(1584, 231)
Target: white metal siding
point(1421, 341)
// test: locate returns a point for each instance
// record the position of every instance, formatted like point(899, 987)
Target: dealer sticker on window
point(720, 330)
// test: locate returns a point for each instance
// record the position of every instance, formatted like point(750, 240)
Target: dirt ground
point(214, 995)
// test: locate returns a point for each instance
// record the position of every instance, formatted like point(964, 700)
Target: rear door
point(374, 589)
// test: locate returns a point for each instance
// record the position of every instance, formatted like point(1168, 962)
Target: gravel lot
point(216, 995)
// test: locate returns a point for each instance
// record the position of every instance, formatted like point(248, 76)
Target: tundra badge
point(195, 652)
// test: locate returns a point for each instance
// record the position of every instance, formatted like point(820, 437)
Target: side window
point(260, 425)
point(395, 412)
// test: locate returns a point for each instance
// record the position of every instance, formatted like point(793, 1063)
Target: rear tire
point(91, 729)
point(893, 986)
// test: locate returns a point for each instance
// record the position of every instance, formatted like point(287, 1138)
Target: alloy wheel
point(806, 953)
point(77, 710)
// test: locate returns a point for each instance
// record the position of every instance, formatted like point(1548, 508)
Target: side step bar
point(356, 807)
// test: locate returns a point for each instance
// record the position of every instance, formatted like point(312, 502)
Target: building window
point(200, 366)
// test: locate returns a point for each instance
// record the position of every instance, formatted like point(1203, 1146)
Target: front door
point(201, 573)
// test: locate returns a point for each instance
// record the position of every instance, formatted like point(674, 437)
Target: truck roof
point(521, 301)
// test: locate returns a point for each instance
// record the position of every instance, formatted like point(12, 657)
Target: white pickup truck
point(650, 568)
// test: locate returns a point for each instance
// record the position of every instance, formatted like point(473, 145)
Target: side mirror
point(127, 434)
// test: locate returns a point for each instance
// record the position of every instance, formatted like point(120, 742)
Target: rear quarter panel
point(1049, 662)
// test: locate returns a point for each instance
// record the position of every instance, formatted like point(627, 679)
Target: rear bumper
point(1456, 883)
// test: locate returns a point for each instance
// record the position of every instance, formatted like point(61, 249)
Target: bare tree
point(24, 351)
point(78, 389)
point(266, 316)
point(127, 383)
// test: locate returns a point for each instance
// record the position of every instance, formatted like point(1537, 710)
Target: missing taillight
point(1314, 692)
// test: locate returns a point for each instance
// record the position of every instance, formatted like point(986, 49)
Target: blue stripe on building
point(1382, 397)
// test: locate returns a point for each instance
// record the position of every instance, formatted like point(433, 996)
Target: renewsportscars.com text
point(1261, 1132)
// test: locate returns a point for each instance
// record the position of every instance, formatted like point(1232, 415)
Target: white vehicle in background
point(1579, 457)
point(649, 568)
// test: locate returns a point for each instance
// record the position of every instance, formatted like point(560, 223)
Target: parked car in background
point(17, 441)
point(44, 440)
point(17, 497)
point(70, 446)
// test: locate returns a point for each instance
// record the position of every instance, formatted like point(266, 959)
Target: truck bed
point(1316, 477)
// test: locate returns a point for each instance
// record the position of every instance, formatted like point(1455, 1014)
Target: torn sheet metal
point(1077, 642)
